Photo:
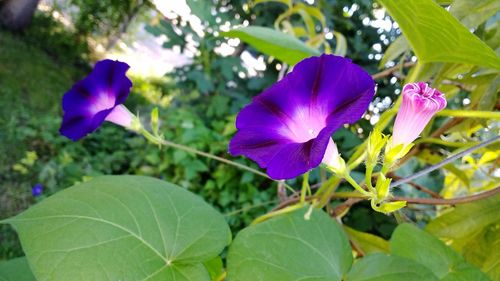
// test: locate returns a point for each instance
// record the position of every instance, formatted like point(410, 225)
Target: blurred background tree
point(17, 14)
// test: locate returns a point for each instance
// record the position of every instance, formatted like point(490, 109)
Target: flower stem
point(305, 188)
point(159, 141)
point(277, 213)
point(326, 190)
point(368, 177)
point(356, 186)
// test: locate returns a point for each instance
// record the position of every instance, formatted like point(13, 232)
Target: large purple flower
point(95, 99)
point(288, 127)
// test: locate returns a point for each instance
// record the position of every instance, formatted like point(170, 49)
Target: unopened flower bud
point(420, 103)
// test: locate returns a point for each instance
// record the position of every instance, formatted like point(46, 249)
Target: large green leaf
point(16, 270)
point(436, 36)
point(466, 220)
point(413, 243)
point(381, 267)
point(274, 43)
point(290, 247)
point(121, 228)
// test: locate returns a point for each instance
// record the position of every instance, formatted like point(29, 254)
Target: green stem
point(277, 213)
point(305, 188)
point(326, 190)
point(246, 209)
point(470, 113)
point(160, 141)
point(368, 177)
point(356, 186)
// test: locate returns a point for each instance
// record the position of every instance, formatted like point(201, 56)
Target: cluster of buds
point(420, 103)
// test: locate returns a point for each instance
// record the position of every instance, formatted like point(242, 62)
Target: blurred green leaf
point(273, 43)
point(396, 49)
point(466, 220)
point(303, 11)
point(482, 250)
point(488, 94)
point(202, 9)
point(121, 227)
point(369, 243)
point(413, 243)
point(436, 36)
point(290, 247)
point(381, 267)
point(203, 82)
point(16, 270)
point(286, 2)
point(473, 13)
point(215, 268)
point(341, 44)
point(313, 12)
point(166, 29)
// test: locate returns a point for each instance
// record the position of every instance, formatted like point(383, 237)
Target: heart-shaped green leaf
point(381, 267)
point(290, 247)
point(121, 228)
point(413, 243)
point(16, 270)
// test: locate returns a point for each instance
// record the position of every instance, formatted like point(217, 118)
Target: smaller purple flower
point(37, 190)
point(97, 98)
point(420, 103)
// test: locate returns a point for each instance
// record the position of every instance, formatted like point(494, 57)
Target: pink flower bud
point(420, 103)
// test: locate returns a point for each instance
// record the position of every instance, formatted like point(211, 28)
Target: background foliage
point(198, 103)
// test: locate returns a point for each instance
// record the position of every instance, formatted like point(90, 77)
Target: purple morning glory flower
point(97, 98)
point(37, 190)
point(288, 127)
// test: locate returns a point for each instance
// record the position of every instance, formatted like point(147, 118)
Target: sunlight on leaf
point(436, 36)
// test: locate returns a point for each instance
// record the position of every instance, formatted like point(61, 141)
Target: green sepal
point(337, 166)
point(376, 142)
point(394, 153)
point(382, 187)
point(389, 207)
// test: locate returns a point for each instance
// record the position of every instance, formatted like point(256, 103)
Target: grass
point(31, 86)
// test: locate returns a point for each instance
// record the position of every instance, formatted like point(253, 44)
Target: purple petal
point(295, 159)
point(77, 127)
point(256, 146)
point(286, 128)
point(91, 99)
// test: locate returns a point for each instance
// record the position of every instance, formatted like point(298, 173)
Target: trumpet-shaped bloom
point(420, 103)
point(95, 99)
point(288, 127)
